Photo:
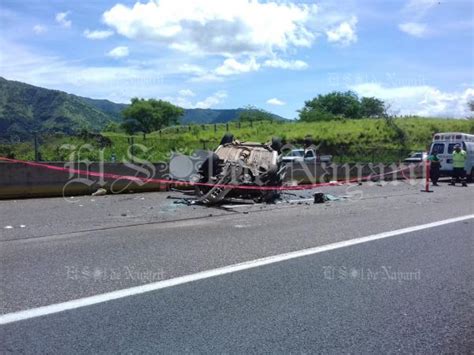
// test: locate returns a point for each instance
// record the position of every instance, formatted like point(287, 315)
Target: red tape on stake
point(190, 183)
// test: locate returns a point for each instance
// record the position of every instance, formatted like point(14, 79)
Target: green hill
point(108, 107)
point(26, 108)
point(206, 116)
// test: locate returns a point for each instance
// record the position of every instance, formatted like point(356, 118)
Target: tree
point(470, 104)
point(252, 113)
point(372, 107)
point(132, 126)
point(112, 127)
point(336, 105)
point(150, 115)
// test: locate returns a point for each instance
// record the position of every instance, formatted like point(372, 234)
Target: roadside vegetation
point(342, 124)
point(342, 137)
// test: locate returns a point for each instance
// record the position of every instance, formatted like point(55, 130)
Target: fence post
point(227, 127)
point(36, 146)
point(132, 150)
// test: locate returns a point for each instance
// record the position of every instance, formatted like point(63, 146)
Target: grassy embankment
point(348, 140)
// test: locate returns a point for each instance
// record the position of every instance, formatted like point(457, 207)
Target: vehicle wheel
point(276, 144)
point(308, 142)
point(227, 139)
point(209, 168)
point(271, 178)
point(470, 177)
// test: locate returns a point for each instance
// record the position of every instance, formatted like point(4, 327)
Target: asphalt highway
point(407, 293)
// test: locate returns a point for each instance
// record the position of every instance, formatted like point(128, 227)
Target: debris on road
point(100, 192)
point(320, 197)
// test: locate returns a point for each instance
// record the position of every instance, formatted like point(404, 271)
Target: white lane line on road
point(137, 290)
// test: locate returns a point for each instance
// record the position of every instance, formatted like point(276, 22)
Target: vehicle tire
point(470, 177)
point(210, 167)
point(227, 139)
point(276, 144)
point(308, 142)
point(271, 178)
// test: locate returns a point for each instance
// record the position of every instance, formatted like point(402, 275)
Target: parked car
point(306, 155)
point(416, 157)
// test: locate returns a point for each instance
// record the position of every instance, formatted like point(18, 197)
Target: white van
point(444, 143)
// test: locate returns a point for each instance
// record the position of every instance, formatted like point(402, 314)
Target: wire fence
point(221, 127)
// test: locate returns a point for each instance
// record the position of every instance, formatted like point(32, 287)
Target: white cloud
point(286, 64)
point(422, 100)
point(186, 93)
point(183, 99)
point(191, 69)
point(414, 12)
point(276, 102)
point(98, 34)
point(212, 100)
point(248, 34)
point(119, 52)
point(419, 8)
point(226, 28)
point(39, 29)
point(345, 33)
point(232, 67)
point(61, 18)
point(206, 77)
point(414, 29)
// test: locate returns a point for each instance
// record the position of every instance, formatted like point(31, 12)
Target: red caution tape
point(190, 183)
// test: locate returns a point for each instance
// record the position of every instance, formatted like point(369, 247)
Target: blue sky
point(417, 55)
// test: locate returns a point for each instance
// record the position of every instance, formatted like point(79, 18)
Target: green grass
point(348, 140)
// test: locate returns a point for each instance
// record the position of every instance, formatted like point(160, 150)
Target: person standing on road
point(435, 165)
point(459, 160)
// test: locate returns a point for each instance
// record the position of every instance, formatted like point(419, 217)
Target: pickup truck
point(306, 155)
point(416, 157)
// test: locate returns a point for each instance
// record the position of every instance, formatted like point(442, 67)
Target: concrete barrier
point(18, 180)
point(320, 172)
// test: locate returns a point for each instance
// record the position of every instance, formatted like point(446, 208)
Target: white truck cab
point(443, 145)
point(306, 155)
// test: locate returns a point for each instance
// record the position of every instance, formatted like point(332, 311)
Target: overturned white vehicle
point(235, 165)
